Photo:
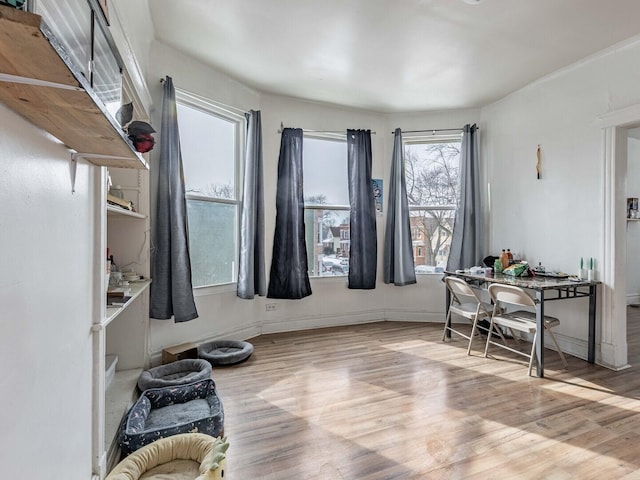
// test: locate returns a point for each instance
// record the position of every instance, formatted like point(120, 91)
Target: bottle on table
point(504, 259)
point(510, 256)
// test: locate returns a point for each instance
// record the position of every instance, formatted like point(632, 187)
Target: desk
point(546, 289)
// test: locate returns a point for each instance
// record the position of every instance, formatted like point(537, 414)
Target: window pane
point(432, 174)
point(328, 239)
point(208, 153)
point(325, 183)
point(325, 172)
point(212, 240)
point(431, 239)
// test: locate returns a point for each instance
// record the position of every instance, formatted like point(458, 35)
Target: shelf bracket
point(73, 168)
point(87, 156)
point(5, 77)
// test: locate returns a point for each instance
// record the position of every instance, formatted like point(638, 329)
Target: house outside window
point(432, 170)
point(326, 205)
point(211, 141)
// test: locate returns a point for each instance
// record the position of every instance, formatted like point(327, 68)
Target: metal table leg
point(540, 336)
point(591, 355)
point(447, 299)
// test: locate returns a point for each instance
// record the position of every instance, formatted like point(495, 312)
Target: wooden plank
point(74, 117)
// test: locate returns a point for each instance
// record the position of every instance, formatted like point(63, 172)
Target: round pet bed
point(186, 455)
point(225, 352)
point(175, 373)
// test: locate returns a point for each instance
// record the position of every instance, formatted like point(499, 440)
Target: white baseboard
point(311, 322)
point(633, 299)
point(571, 346)
point(400, 315)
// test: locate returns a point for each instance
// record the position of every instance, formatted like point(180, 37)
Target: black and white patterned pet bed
point(175, 373)
point(225, 352)
point(167, 411)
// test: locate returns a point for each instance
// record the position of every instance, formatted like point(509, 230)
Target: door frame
point(613, 330)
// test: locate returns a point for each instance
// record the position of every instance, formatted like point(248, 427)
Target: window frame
point(423, 140)
point(332, 137)
point(222, 112)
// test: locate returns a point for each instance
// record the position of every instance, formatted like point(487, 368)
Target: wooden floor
point(391, 401)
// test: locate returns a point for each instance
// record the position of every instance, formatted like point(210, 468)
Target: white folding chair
point(466, 303)
point(520, 320)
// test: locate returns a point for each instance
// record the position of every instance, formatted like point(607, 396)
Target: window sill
point(215, 289)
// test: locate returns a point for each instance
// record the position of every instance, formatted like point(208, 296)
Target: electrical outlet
point(271, 307)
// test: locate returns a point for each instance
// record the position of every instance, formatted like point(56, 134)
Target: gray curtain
point(466, 243)
point(289, 277)
point(398, 249)
point(251, 273)
point(171, 291)
point(364, 244)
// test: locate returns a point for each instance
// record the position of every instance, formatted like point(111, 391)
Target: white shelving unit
point(123, 330)
point(137, 289)
point(41, 81)
point(111, 210)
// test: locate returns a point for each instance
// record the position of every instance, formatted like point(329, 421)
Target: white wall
point(48, 242)
point(222, 314)
point(46, 260)
point(633, 227)
point(560, 218)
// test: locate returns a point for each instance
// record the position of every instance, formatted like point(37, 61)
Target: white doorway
point(633, 224)
point(613, 310)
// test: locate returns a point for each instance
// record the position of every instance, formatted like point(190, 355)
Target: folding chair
point(466, 303)
point(520, 320)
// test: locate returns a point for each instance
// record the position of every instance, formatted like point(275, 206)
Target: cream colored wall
point(560, 218)
point(222, 314)
point(46, 277)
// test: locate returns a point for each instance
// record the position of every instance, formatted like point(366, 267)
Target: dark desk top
point(533, 283)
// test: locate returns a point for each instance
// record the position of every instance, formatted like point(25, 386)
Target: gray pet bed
point(167, 411)
point(175, 373)
point(225, 352)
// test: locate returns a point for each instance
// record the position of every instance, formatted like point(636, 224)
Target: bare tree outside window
point(432, 173)
point(220, 190)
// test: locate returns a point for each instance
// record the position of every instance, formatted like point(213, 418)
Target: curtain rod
point(214, 102)
point(433, 130)
point(332, 132)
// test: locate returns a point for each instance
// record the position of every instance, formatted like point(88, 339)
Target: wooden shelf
point(113, 210)
point(40, 82)
point(112, 311)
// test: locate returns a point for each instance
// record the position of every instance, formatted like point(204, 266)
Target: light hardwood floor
point(391, 401)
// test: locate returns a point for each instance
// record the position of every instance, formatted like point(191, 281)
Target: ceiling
point(393, 55)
